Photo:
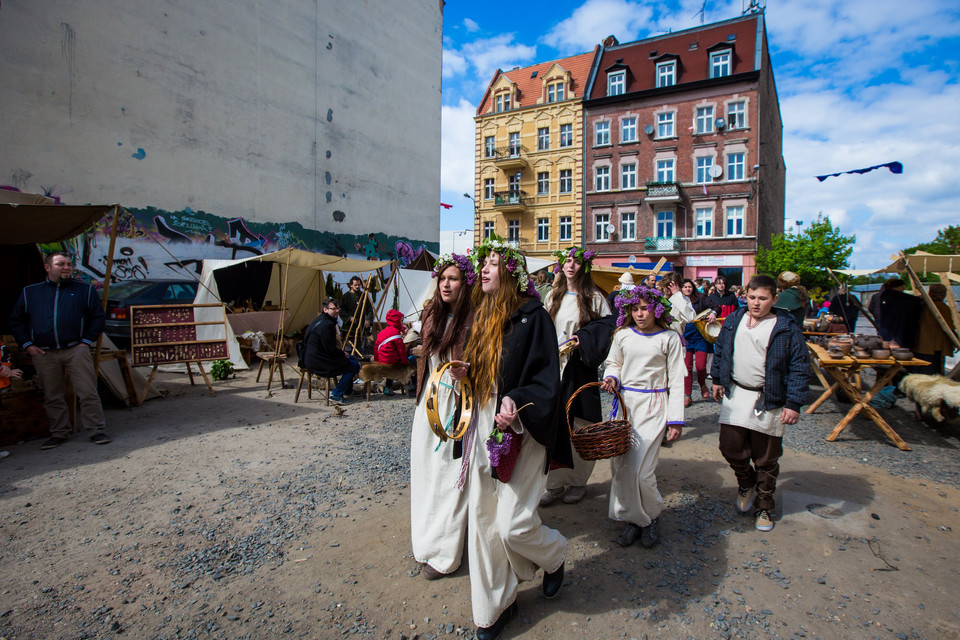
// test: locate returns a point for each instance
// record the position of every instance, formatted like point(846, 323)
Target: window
point(543, 183)
point(543, 138)
point(503, 102)
point(704, 164)
point(603, 178)
point(664, 224)
point(720, 63)
point(513, 231)
point(488, 188)
point(628, 176)
point(616, 83)
point(543, 229)
point(566, 228)
point(704, 223)
point(628, 130)
point(628, 226)
point(665, 170)
point(566, 180)
point(487, 230)
point(737, 115)
point(555, 92)
point(735, 221)
point(513, 183)
point(566, 135)
point(704, 119)
point(666, 74)
point(602, 133)
point(735, 166)
point(489, 147)
point(515, 144)
point(602, 230)
point(665, 125)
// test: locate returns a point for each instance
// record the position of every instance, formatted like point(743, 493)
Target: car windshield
point(128, 289)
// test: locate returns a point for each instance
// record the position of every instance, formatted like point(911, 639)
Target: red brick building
point(683, 154)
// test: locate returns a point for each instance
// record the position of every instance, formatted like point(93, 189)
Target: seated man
point(323, 355)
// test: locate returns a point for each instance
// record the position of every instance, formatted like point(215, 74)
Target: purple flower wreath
point(459, 261)
point(653, 298)
point(514, 261)
point(583, 256)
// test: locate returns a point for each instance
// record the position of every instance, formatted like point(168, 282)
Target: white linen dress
point(749, 368)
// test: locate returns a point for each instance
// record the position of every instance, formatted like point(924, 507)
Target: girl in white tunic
point(573, 302)
point(646, 365)
point(438, 509)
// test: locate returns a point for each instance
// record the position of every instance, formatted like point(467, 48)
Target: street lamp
point(476, 215)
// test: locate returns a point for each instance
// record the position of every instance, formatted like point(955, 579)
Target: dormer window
point(502, 102)
point(721, 63)
point(616, 83)
point(666, 73)
point(555, 92)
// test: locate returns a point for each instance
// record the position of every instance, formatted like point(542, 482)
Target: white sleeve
point(614, 364)
point(676, 372)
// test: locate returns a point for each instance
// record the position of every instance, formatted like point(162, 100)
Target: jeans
point(345, 386)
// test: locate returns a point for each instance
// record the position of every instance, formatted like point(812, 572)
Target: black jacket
point(57, 315)
point(716, 302)
point(582, 368)
point(322, 354)
point(787, 373)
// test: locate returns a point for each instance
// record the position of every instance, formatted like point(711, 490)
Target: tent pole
point(386, 289)
point(951, 301)
point(932, 307)
point(283, 305)
point(358, 326)
point(416, 305)
point(106, 282)
point(859, 304)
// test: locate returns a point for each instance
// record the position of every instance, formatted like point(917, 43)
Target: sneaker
point(745, 498)
point(338, 399)
point(550, 495)
point(53, 442)
point(764, 520)
point(650, 535)
point(552, 583)
point(387, 391)
point(629, 535)
point(100, 438)
point(574, 495)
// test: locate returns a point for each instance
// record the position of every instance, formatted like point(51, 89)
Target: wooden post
point(106, 282)
point(932, 307)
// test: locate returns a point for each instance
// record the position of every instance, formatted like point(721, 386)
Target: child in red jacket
point(389, 347)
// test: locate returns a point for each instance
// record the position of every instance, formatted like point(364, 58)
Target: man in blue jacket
point(57, 322)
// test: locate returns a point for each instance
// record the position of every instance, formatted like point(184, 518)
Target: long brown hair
point(586, 289)
point(435, 341)
point(486, 338)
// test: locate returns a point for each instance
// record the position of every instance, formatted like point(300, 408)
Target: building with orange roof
point(529, 155)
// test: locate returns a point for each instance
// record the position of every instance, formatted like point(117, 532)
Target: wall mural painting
point(157, 244)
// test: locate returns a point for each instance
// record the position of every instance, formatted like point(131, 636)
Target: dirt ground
point(243, 516)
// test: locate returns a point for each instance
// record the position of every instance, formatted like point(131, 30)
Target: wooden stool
point(275, 361)
point(306, 373)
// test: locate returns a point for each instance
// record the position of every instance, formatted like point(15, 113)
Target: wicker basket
point(600, 440)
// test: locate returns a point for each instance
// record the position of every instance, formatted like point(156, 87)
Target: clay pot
point(868, 342)
point(861, 353)
point(880, 354)
point(902, 354)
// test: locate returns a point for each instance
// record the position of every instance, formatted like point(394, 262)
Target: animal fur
point(375, 371)
point(934, 395)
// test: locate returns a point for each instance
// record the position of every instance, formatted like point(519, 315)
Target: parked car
point(131, 293)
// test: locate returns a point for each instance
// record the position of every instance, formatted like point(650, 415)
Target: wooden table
point(845, 372)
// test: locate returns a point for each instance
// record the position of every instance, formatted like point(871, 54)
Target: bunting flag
point(446, 206)
point(895, 167)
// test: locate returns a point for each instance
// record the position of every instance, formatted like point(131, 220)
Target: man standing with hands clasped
point(57, 322)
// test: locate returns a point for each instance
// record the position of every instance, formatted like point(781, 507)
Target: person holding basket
point(646, 365)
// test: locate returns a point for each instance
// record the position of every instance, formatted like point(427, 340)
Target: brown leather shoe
point(430, 573)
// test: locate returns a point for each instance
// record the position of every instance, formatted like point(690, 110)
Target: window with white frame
point(720, 63)
point(704, 119)
point(489, 147)
point(628, 129)
point(665, 124)
point(543, 138)
point(503, 102)
point(487, 230)
point(513, 231)
point(737, 115)
point(628, 226)
point(555, 92)
point(488, 188)
point(665, 171)
point(735, 221)
point(543, 229)
point(704, 164)
point(513, 182)
point(735, 169)
point(704, 222)
point(514, 144)
point(667, 73)
point(566, 135)
point(565, 228)
point(602, 182)
point(664, 224)
point(543, 183)
point(616, 83)
point(566, 180)
point(602, 131)
point(628, 175)
point(601, 228)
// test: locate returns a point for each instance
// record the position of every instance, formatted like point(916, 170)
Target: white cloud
point(500, 52)
point(471, 25)
point(457, 147)
point(454, 63)
point(595, 20)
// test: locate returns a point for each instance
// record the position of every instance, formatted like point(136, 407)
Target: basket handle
point(623, 407)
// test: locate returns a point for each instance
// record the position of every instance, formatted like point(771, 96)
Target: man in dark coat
point(899, 313)
point(323, 355)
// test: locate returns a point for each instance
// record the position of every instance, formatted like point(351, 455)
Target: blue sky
point(861, 82)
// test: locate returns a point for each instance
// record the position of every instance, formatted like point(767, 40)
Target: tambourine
point(567, 347)
point(433, 412)
point(709, 330)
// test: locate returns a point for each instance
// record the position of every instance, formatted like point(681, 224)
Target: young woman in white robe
point(645, 365)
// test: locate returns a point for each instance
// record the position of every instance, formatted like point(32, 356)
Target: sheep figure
point(934, 395)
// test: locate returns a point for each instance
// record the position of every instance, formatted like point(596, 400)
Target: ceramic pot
point(868, 342)
point(880, 354)
point(902, 354)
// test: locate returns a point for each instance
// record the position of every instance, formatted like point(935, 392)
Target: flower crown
point(461, 262)
point(626, 298)
point(515, 262)
point(581, 255)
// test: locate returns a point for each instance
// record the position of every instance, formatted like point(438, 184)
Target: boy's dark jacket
point(787, 369)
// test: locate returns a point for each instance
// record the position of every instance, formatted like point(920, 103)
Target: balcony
point(510, 201)
point(511, 158)
point(663, 192)
point(661, 245)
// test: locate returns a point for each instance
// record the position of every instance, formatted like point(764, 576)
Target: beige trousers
point(77, 362)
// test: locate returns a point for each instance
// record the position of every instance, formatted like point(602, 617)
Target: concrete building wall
point(321, 116)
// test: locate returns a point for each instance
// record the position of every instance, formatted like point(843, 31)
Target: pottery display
point(880, 354)
point(868, 342)
point(861, 353)
point(902, 354)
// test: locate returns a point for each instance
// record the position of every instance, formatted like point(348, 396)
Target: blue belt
point(616, 403)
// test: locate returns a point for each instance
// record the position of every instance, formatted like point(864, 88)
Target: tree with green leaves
point(808, 253)
point(946, 243)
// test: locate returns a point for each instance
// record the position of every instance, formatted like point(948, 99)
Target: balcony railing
point(663, 192)
point(510, 200)
point(661, 245)
point(510, 157)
